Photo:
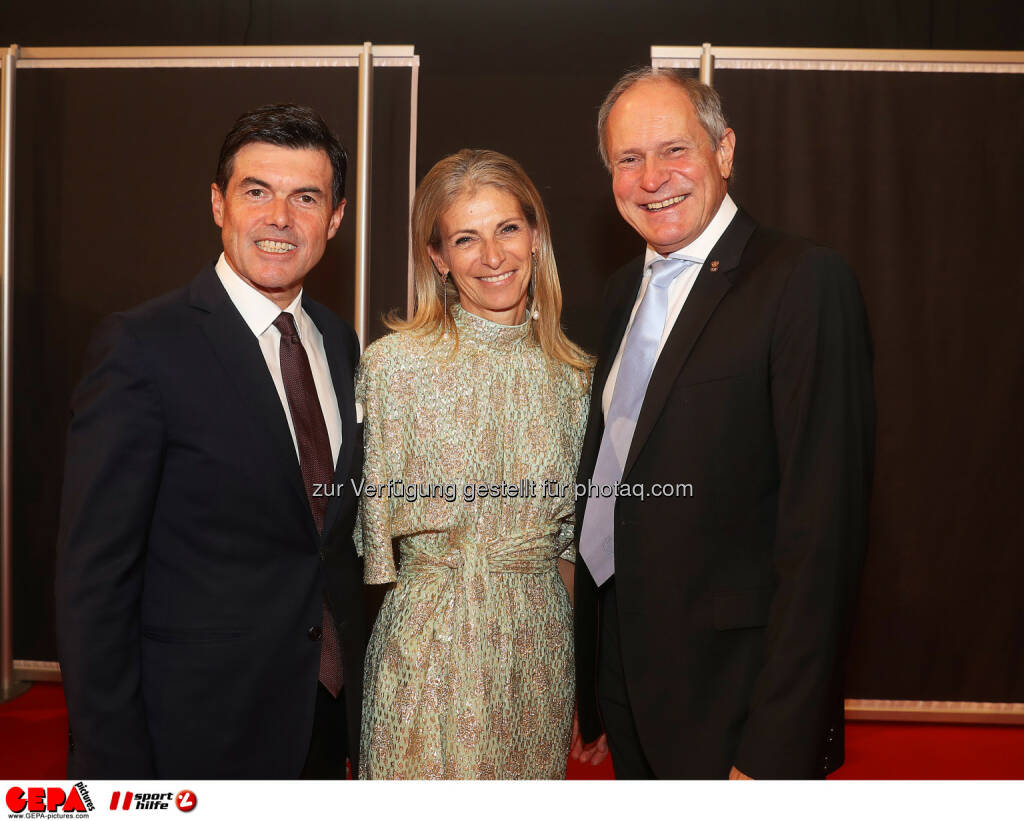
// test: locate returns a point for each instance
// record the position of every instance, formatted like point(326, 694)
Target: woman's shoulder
point(397, 351)
point(573, 381)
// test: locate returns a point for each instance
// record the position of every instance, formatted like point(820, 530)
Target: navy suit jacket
point(734, 602)
point(190, 574)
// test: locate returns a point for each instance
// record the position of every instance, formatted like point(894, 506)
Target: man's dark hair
point(288, 125)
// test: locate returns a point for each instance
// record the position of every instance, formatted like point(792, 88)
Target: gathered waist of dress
point(533, 552)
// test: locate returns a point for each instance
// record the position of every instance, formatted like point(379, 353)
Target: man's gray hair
point(705, 99)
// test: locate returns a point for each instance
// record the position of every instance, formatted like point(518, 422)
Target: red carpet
point(34, 727)
point(34, 734)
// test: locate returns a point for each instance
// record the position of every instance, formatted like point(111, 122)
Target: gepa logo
point(50, 799)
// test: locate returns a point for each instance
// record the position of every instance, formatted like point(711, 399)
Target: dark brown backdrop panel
point(389, 197)
point(112, 207)
point(917, 179)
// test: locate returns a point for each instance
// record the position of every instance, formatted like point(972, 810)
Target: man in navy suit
point(209, 608)
point(734, 386)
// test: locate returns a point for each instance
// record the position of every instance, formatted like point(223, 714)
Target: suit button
point(314, 632)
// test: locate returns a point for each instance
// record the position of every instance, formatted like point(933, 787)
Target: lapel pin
point(714, 265)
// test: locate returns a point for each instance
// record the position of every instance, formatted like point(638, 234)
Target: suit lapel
point(619, 319)
point(239, 353)
point(338, 360)
point(621, 300)
point(711, 285)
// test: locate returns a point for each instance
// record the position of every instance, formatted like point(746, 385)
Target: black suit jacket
point(190, 571)
point(734, 602)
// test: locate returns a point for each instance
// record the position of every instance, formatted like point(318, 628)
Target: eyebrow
point(305, 189)
point(663, 144)
point(501, 224)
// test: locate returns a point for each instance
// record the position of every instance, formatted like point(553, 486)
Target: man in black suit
point(206, 577)
point(734, 392)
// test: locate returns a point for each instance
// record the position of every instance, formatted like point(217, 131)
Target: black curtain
point(917, 179)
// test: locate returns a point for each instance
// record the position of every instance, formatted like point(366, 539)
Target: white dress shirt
point(259, 314)
point(678, 291)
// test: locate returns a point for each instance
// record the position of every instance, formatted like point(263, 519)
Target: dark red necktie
point(316, 463)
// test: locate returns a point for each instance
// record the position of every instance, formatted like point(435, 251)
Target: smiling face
point(667, 177)
point(276, 217)
point(486, 244)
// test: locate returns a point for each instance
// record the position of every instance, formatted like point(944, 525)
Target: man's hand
point(593, 753)
point(736, 775)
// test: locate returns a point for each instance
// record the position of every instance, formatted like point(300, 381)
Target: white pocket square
point(359, 413)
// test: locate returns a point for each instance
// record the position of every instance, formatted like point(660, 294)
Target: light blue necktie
point(597, 545)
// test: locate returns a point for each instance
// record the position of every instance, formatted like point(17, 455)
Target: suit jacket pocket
point(743, 608)
point(190, 635)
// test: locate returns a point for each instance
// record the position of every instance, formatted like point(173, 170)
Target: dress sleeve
point(578, 407)
point(373, 533)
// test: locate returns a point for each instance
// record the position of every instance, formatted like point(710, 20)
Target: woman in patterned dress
point(474, 412)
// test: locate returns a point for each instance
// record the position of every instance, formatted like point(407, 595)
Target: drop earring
point(444, 316)
point(533, 279)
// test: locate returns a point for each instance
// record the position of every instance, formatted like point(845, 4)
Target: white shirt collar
point(702, 246)
point(258, 312)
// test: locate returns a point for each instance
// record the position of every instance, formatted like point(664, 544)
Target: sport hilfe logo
point(50, 799)
point(185, 800)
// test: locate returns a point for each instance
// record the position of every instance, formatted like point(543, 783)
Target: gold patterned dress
point(469, 673)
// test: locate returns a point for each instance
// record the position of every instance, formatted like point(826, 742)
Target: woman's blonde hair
point(463, 174)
